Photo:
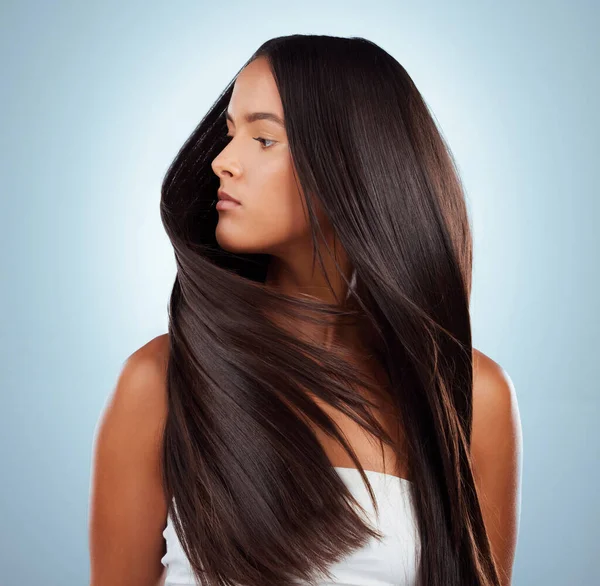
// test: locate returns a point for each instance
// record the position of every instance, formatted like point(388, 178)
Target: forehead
point(255, 90)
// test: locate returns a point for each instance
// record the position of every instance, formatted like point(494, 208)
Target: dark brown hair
point(253, 497)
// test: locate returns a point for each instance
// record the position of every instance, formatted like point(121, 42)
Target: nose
point(225, 164)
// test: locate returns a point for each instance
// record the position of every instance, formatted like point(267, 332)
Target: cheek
point(280, 215)
point(273, 216)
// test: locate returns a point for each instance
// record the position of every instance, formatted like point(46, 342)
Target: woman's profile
point(316, 413)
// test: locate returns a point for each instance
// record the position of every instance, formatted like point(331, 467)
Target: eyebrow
point(254, 116)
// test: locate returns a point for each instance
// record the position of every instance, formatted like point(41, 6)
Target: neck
point(297, 279)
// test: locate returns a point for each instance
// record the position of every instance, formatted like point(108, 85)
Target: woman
point(234, 448)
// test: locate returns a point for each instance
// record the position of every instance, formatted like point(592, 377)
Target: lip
point(223, 195)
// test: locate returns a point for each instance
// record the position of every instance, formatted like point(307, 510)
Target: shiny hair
point(253, 496)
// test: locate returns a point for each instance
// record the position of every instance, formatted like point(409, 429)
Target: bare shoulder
point(153, 354)
point(128, 507)
point(487, 371)
point(147, 369)
point(141, 386)
point(496, 454)
point(494, 396)
point(495, 408)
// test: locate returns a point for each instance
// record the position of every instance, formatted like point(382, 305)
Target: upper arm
point(496, 453)
point(127, 505)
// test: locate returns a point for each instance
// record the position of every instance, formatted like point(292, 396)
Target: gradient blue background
point(96, 100)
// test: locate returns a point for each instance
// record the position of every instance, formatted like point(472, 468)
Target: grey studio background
point(97, 97)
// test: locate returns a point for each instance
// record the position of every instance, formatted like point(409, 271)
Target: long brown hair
point(253, 497)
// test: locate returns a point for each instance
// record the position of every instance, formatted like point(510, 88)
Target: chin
point(230, 240)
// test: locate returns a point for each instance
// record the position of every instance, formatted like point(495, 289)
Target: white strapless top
point(392, 561)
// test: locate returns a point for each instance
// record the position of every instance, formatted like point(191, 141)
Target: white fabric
point(390, 562)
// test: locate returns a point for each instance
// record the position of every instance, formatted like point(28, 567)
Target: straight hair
point(253, 497)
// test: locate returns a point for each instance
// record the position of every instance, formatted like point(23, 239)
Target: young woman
point(312, 422)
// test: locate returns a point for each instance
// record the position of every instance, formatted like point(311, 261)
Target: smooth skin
point(128, 510)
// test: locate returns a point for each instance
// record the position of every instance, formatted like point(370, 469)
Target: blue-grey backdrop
point(96, 99)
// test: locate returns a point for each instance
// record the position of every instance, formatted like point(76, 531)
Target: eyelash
point(259, 139)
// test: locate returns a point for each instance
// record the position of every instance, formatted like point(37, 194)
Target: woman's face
point(256, 169)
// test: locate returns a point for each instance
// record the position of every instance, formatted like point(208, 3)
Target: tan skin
point(128, 510)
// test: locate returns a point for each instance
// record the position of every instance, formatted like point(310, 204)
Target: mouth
point(227, 204)
point(224, 196)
